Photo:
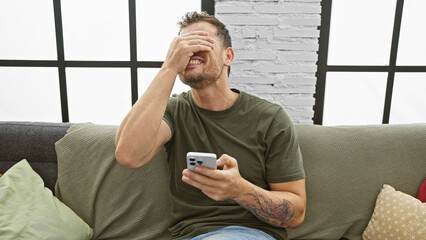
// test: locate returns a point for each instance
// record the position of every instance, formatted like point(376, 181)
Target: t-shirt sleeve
point(284, 159)
point(168, 118)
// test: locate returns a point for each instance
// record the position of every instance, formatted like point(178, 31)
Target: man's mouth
point(194, 62)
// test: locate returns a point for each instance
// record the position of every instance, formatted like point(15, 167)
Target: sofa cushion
point(396, 216)
point(30, 211)
point(118, 202)
point(345, 169)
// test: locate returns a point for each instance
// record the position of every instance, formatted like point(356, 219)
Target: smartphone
point(194, 159)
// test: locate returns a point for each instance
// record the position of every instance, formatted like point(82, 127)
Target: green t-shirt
point(257, 133)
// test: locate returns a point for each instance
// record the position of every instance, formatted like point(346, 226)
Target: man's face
point(204, 68)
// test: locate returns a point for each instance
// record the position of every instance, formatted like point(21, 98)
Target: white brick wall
point(276, 44)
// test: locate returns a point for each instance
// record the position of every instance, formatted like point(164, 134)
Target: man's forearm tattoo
point(270, 211)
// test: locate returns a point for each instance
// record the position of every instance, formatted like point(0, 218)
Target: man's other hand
point(217, 184)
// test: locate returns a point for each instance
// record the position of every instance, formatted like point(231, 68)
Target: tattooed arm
point(283, 206)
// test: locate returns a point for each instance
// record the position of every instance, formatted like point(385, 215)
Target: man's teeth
point(194, 62)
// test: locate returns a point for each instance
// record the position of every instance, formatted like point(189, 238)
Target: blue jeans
point(234, 233)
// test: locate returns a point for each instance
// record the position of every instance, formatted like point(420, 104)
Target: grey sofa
point(345, 167)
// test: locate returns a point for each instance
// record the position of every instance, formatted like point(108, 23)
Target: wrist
point(168, 71)
point(246, 188)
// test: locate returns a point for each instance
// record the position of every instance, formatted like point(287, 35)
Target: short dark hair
point(222, 31)
point(193, 17)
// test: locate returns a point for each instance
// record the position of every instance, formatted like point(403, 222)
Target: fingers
point(199, 33)
point(195, 40)
point(191, 48)
point(210, 176)
point(196, 35)
point(200, 181)
point(198, 41)
point(211, 187)
point(190, 176)
point(185, 46)
point(217, 184)
point(227, 162)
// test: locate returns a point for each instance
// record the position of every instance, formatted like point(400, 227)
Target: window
point(79, 60)
point(371, 69)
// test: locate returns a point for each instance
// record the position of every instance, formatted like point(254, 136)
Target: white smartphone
point(194, 159)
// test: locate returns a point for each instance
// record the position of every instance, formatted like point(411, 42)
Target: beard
point(201, 80)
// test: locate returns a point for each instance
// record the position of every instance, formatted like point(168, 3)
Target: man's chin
point(191, 73)
point(198, 80)
point(188, 78)
point(194, 82)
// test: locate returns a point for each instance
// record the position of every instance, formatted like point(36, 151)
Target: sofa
point(346, 166)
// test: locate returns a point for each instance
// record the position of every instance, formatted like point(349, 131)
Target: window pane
point(29, 94)
point(98, 95)
point(408, 98)
point(96, 29)
point(146, 75)
point(354, 98)
point(156, 23)
point(358, 35)
point(412, 39)
point(27, 30)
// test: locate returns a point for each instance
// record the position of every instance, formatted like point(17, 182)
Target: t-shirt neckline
point(219, 113)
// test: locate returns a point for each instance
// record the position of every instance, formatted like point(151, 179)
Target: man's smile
point(191, 62)
point(195, 61)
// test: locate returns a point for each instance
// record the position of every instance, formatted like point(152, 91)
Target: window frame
point(61, 63)
point(324, 67)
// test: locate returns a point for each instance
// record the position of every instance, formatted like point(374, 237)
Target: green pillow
point(28, 210)
point(117, 202)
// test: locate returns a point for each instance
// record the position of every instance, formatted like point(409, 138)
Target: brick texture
point(275, 44)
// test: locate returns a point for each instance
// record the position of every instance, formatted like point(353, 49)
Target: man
point(260, 190)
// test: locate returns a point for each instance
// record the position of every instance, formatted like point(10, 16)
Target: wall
point(275, 44)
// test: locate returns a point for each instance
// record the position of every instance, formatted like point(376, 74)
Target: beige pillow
point(396, 216)
point(28, 210)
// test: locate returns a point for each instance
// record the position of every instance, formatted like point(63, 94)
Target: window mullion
point(392, 60)
point(61, 60)
point(322, 61)
point(133, 51)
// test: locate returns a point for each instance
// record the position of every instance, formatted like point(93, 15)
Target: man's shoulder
point(178, 99)
point(266, 109)
point(181, 96)
point(260, 104)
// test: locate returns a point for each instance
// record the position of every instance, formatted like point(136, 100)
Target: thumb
point(226, 161)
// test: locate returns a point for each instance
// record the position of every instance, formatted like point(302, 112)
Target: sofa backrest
point(33, 141)
point(346, 168)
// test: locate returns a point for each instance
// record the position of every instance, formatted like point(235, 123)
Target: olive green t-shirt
point(257, 133)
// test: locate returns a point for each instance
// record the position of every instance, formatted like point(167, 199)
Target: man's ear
point(229, 56)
